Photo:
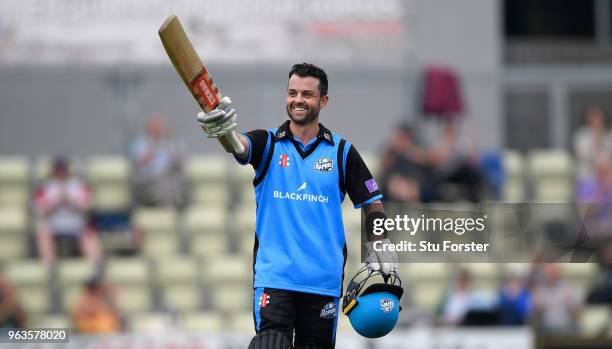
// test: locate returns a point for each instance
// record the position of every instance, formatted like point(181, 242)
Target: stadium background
point(81, 78)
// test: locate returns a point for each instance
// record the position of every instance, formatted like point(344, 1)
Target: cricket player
point(302, 173)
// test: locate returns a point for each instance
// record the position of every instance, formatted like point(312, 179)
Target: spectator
point(598, 188)
point(464, 305)
point(458, 164)
point(494, 174)
point(404, 168)
point(11, 313)
point(401, 188)
point(96, 311)
point(556, 303)
point(595, 196)
point(62, 205)
point(457, 301)
point(514, 305)
point(591, 143)
point(157, 162)
point(601, 292)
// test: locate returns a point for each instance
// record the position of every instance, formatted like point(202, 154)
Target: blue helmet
point(374, 312)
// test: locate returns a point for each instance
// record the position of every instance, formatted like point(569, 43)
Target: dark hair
point(405, 127)
point(306, 69)
point(60, 163)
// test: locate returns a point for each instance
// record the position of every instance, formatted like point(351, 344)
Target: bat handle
point(231, 143)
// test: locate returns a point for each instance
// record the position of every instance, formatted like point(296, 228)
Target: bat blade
point(188, 64)
point(192, 71)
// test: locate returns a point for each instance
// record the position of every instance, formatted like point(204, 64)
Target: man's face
point(596, 118)
point(304, 101)
point(156, 127)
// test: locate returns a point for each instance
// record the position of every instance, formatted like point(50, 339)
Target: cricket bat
point(192, 71)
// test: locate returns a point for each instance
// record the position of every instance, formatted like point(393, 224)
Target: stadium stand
point(514, 189)
point(109, 176)
point(208, 177)
point(14, 181)
point(194, 271)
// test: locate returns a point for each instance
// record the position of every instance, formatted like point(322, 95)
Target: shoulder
point(140, 140)
point(257, 135)
point(339, 139)
point(139, 144)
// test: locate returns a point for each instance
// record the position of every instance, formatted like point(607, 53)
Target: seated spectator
point(62, 206)
point(405, 174)
point(457, 164)
point(595, 196)
point(494, 174)
point(598, 188)
point(463, 305)
point(157, 161)
point(96, 311)
point(601, 292)
point(401, 188)
point(514, 305)
point(591, 143)
point(11, 313)
point(457, 301)
point(556, 303)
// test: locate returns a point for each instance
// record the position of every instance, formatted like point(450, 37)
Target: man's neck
point(305, 133)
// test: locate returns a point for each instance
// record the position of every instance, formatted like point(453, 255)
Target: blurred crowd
point(443, 166)
point(413, 169)
point(540, 297)
point(67, 226)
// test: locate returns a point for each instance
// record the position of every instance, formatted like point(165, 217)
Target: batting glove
point(385, 261)
point(220, 121)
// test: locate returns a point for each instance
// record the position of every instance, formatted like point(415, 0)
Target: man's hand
point(385, 261)
point(220, 121)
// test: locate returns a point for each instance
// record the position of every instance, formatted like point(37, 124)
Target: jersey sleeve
point(360, 185)
point(257, 144)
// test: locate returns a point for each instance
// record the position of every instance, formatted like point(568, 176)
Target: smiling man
point(302, 173)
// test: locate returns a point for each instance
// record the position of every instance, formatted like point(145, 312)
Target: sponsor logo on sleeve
point(371, 185)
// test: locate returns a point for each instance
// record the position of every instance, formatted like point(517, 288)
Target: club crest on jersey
point(284, 160)
point(264, 300)
point(328, 311)
point(324, 165)
point(386, 305)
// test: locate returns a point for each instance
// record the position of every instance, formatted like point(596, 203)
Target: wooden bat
point(192, 71)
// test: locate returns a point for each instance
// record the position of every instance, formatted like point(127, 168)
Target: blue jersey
point(299, 189)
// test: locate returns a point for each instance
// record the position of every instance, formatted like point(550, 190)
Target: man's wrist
point(374, 230)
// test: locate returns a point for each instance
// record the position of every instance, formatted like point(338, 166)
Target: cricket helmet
point(373, 313)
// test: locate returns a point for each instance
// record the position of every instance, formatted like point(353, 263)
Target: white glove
point(385, 261)
point(220, 121)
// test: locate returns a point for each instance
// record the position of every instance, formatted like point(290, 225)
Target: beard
point(311, 115)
